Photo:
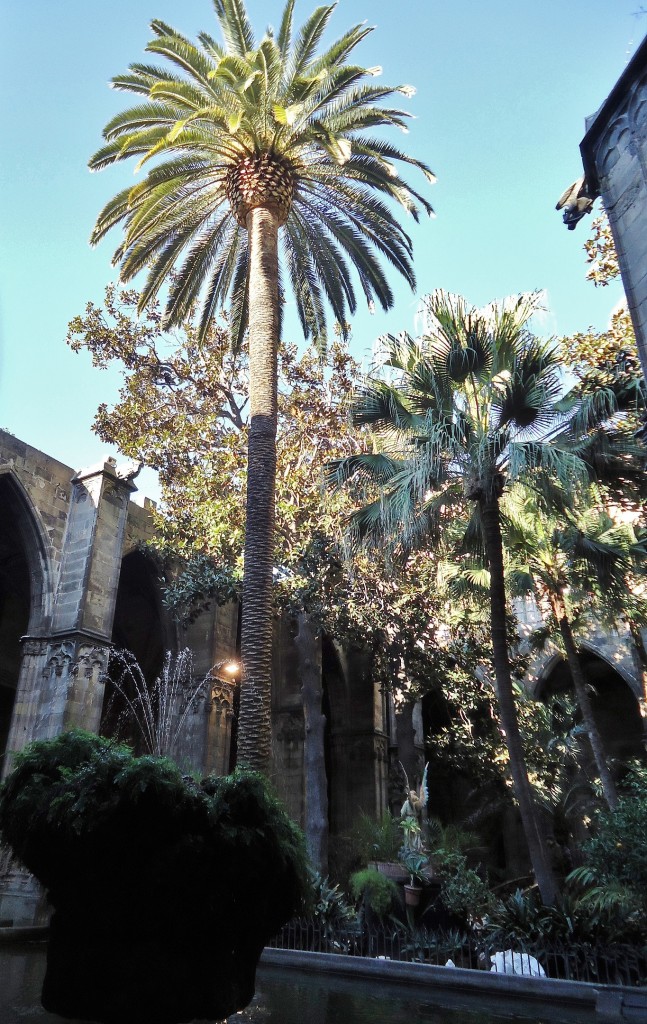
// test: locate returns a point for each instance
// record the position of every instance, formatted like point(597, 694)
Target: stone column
point(220, 712)
point(60, 685)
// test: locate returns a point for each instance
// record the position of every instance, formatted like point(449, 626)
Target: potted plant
point(415, 862)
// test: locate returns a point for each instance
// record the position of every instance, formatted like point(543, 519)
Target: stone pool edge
point(24, 933)
point(606, 1002)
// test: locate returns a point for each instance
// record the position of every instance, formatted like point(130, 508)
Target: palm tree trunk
point(581, 693)
point(308, 642)
point(537, 848)
point(639, 655)
point(255, 720)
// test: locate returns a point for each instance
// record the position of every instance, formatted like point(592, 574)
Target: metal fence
point(615, 965)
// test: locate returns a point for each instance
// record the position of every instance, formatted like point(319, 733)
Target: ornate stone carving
point(221, 695)
point(59, 660)
point(381, 749)
point(612, 143)
point(90, 660)
point(115, 494)
point(34, 646)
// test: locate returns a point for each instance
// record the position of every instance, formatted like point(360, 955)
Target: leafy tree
point(474, 405)
point(570, 563)
point(255, 138)
point(608, 360)
point(627, 605)
point(601, 253)
point(183, 409)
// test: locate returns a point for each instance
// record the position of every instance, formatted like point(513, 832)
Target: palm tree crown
point(476, 403)
point(242, 125)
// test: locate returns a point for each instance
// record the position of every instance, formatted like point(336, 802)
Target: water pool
point(284, 997)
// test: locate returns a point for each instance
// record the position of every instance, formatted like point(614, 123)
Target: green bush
point(522, 917)
point(462, 891)
point(617, 851)
point(610, 889)
point(378, 892)
point(164, 890)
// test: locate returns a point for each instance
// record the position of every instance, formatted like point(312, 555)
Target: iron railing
point(598, 964)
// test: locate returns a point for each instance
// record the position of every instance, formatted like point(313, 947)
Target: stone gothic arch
point(25, 588)
point(139, 628)
point(615, 702)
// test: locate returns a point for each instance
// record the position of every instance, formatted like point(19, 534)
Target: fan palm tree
point(473, 405)
point(258, 144)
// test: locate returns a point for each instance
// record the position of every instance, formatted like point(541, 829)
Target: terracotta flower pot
point(412, 895)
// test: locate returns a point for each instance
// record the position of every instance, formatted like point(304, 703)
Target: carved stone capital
point(90, 659)
point(60, 657)
point(221, 695)
point(34, 646)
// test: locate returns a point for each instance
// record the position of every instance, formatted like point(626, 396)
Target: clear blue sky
point(503, 87)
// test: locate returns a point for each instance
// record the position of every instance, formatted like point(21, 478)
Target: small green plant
point(327, 904)
point(376, 839)
point(377, 891)
point(412, 833)
point(610, 889)
point(415, 862)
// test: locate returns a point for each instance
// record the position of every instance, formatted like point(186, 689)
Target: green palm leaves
point(240, 125)
point(454, 413)
point(474, 404)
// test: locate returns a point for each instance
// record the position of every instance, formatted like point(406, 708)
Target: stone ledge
point(579, 1000)
point(28, 933)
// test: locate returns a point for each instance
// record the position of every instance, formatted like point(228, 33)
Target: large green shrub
point(165, 890)
point(611, 887)
point(617, 851)
point(463, 893)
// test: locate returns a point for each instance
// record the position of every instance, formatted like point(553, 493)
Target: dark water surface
point(282, 997)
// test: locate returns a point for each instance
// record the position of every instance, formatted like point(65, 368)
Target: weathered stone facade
point(614, 153)
point(74, 582)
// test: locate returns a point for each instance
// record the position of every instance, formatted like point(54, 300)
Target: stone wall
point(74, 581)
point(614, 153)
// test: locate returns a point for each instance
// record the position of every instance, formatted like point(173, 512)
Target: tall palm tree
point(259, 144)
point(471, 406)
